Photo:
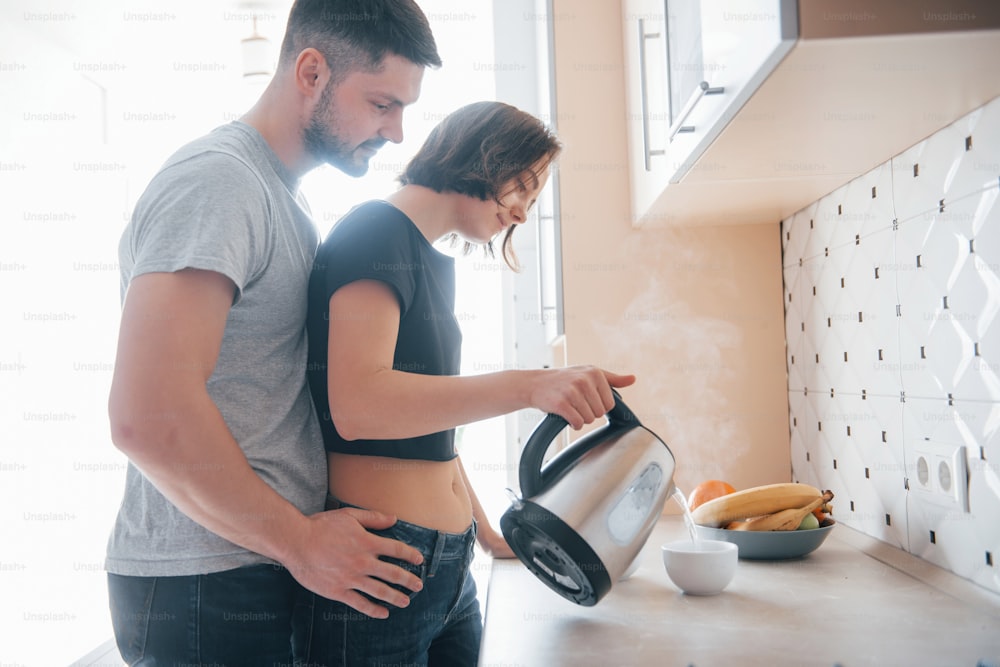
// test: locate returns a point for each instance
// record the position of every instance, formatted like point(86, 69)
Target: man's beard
point(322, 142)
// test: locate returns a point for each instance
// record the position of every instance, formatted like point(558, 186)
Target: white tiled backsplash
point(892, 318)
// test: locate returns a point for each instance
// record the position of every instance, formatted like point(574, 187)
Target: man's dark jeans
point(243, 618)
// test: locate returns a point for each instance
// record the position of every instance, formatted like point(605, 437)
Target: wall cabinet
point(691, 65)
point(745, 112)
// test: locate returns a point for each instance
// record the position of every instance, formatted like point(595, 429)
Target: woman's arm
point(492, 542)
point(370, 400)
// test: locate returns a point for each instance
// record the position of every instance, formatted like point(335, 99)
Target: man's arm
point(163, 419)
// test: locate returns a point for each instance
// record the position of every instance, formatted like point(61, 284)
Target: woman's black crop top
point(377, 241)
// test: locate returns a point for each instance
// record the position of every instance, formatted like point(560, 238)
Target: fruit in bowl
point(769, 507)
point(774, 521)
point(809, 522)
point(708, 490)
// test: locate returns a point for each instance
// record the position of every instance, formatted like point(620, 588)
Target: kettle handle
point(530, 474)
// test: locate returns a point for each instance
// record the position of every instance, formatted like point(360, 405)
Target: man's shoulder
point(217, 165)
point(226, 145)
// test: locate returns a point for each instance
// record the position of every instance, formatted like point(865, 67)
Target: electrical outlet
point(942, 475)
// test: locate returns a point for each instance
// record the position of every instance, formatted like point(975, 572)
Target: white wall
point(892, 312)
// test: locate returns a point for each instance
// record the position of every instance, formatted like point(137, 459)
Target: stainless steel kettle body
point(583, 517)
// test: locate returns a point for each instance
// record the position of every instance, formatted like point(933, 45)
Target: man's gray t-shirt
point(226, 203)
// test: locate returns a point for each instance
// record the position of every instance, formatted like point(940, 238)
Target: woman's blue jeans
point(442, 626)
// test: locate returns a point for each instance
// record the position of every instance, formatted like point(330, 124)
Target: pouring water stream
point(681, 500)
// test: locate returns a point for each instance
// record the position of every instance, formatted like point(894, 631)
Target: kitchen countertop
point(854, 601)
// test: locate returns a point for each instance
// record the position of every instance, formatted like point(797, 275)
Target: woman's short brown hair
point(477, 150)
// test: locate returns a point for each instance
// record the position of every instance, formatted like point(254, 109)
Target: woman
point(384, 363)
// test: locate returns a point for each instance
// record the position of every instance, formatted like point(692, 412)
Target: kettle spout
point(672, 490)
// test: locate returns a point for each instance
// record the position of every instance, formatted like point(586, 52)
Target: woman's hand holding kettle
point(578, 394)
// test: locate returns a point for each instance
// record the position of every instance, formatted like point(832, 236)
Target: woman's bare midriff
point(427, 493)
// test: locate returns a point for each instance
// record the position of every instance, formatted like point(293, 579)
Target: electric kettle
point(583, 518)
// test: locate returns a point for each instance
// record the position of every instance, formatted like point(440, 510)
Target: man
point(221, 532)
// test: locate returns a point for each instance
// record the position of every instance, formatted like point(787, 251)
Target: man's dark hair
point(357, 34)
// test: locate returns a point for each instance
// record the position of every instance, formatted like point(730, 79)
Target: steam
point(679, 354)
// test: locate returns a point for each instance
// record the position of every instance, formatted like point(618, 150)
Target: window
point(101, 96)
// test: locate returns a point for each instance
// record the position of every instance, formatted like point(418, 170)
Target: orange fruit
point(709, 490)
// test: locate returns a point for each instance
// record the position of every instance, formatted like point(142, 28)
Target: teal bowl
point(770, 544)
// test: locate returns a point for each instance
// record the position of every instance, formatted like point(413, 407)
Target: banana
point(782, 520)
point(757, 501)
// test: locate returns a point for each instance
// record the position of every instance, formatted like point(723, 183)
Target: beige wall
point(696, 313)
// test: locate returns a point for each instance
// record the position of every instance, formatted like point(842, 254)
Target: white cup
point(704, 567)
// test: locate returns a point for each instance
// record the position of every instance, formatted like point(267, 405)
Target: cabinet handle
point(647, 152)
point(702, 90)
